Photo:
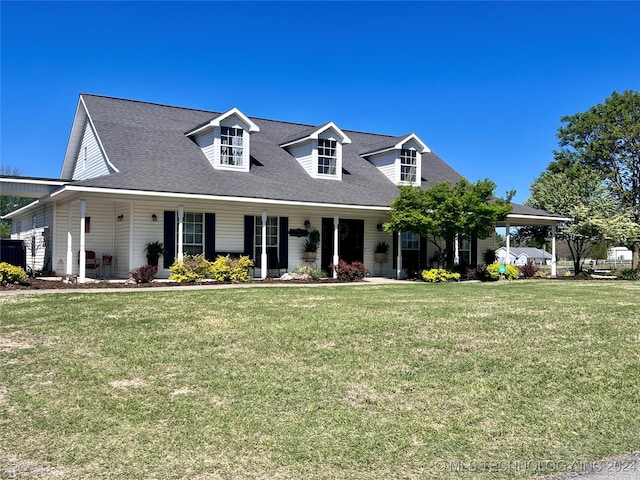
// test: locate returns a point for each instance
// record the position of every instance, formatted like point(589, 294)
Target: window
point(408, 164)
point(410, 241)
point(464, 251)
point(193, 233)
point(272, 237)
point(231, 146)
point(327, 156)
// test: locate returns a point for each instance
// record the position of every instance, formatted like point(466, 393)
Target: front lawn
point(412, 381)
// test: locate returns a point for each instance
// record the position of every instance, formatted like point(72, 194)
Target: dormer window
point(225, 140)
point(319, 150)
point(399, 158)
point(327, 156)
point(231, 146)
point(408, 165)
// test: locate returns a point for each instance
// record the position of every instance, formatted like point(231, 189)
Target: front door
point(350, 241)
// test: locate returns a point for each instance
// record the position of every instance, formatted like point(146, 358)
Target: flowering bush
point(193, 268)
point(12, 274)
point(511, 272)
point(437, 275)
point(350, 272)
point(225, 269)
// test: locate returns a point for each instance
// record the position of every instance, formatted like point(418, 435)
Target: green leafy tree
point(579, 193)
point(9, 203)
point(443, 211)
point(606, 138)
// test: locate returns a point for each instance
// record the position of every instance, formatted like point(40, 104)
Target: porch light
point(120, 217)
point(154, 217)
point(307, 224)
point(379, 227)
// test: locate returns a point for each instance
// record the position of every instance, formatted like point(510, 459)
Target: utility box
point(13, 252)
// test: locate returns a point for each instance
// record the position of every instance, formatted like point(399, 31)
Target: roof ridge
point(213, 112)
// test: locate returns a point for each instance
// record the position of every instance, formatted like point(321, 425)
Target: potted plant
point(380, 252)
point(154, 250)
point(310, 250)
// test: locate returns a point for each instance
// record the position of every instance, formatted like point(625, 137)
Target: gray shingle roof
point(148, 145)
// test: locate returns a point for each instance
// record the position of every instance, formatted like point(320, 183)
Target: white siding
point(206, 143)
point(121, 264)
point(388, 164)
point(126, 239)
point(304, 154)
point(34, 228)
point(100, 237)
point(483, 246)
point(90, 161)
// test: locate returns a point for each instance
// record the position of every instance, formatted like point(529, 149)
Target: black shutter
point(169, 237)
point(249, 227)
point(395, 249)
point(209, 236)
point(283, 254)
point(474, 252)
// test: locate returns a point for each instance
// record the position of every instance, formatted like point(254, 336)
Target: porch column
point(336, 238)
point(69, 241)
point(263, 256)
point(553, 251)
point(456, 250)
point(83, 261)
point(180, 232)
point(507, 238)
point(399, 259)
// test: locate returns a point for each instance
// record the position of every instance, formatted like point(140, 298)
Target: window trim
point(326, 161)
point(408, 165)
point(232, 139)
point(404, 239)
point(186, 244)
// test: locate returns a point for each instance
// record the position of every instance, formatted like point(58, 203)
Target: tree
point(606, 138)
point(8, 203)
point(579, 193)
point(444, 211)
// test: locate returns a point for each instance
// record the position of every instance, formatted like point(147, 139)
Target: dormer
point(319, 150)
point(399, 158)
point(226, 140)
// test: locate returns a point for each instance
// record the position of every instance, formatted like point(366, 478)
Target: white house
point(523, 256)
point(619, 254)
point(208, 182)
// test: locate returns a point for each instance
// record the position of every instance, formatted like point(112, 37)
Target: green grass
point(339, 382)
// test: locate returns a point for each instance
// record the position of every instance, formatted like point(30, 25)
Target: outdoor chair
point(273, 263)
point(91, 261)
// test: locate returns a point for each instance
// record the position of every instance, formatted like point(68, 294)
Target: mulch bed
point(41, 284)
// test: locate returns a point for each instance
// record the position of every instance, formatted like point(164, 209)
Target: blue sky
point(483, 84)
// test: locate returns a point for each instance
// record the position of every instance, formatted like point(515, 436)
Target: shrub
point(227, 269)
point(307, 269)
point(489, 256)
point(493, 271)
point(629, 274)
point(350, 272)
point(193, 268)
point(144, 274)
point(437, 275)
point(12, 274)
point(529, 270)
